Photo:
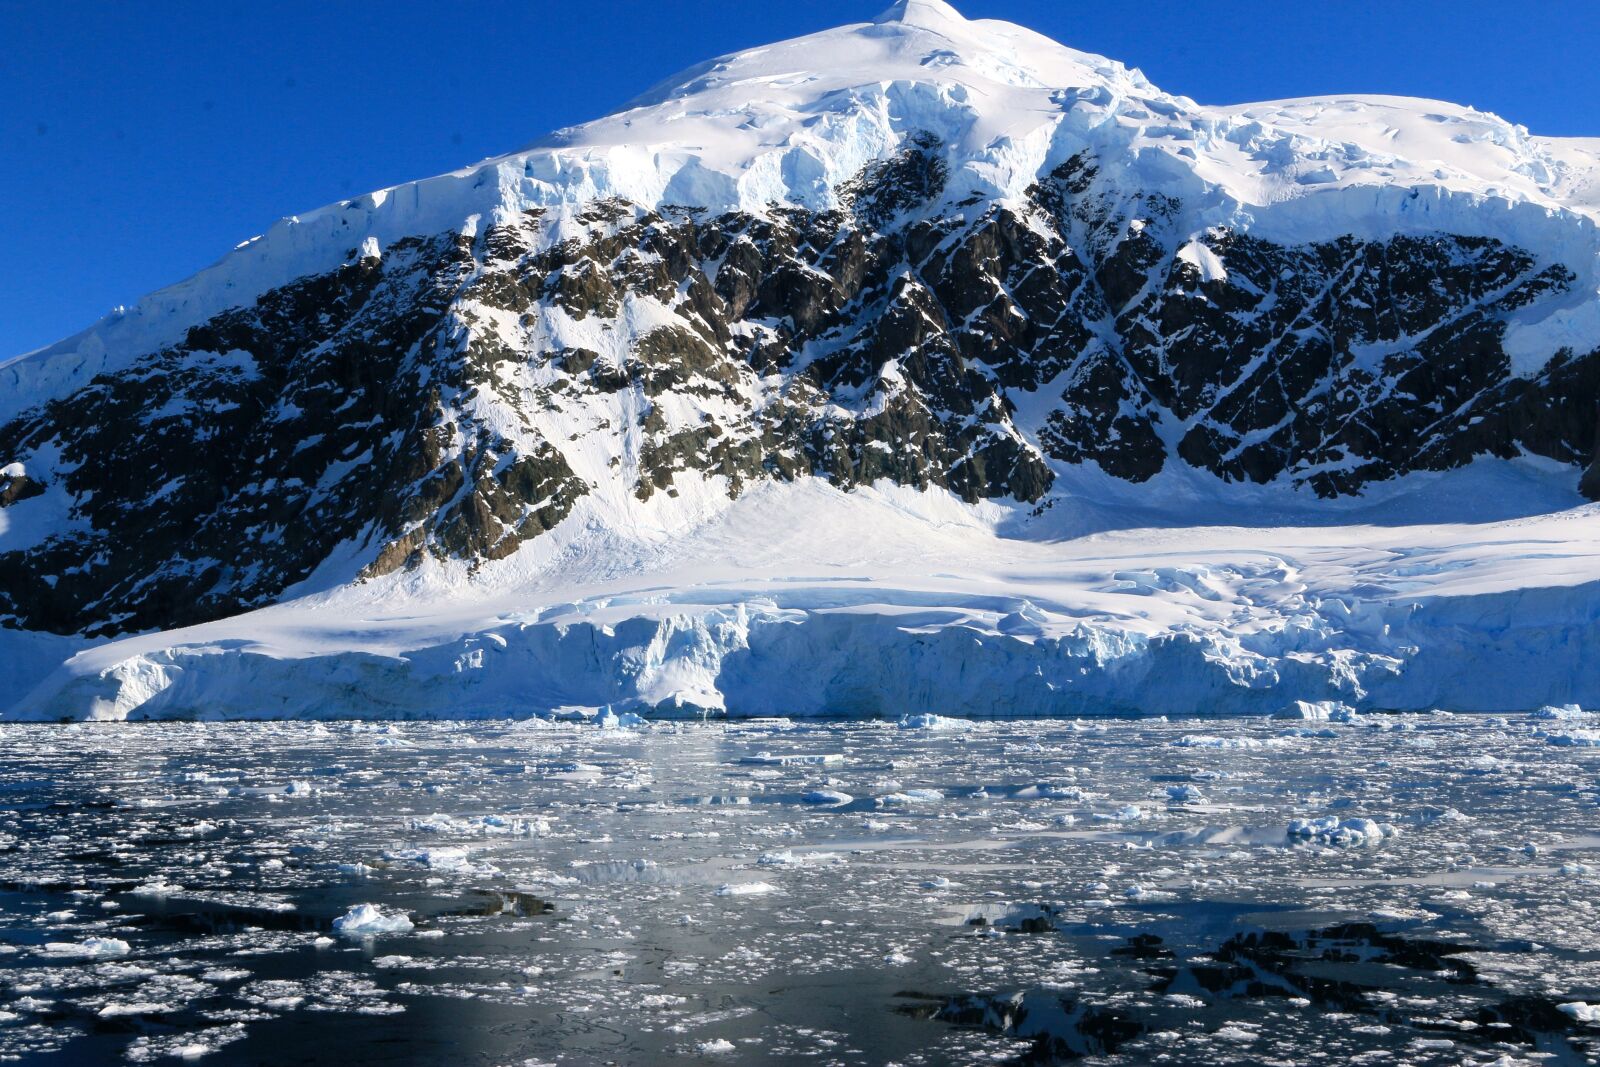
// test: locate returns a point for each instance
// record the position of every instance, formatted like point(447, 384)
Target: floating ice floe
point(1564, 713)
point(1146, 894)
point(1575, 739)
point(570, 770)
point(1210, 741)
point(724, 801)
point(453, 860)
point(368, 920)
point(611, 720)
point(1588, 1014)
point(937, 724)
point(908, 797)
point(187, 1046)
point(1333, 832)
point(480, 826)
point(93, 948)
point(392, 962)
point(745, 889)
point(1047, 790)
point(1126, 813)
point(826, 798)
point(1485, 764)
point(1433, 816)
point(1317, 711)
point(1024, 918)
point(788, 858)
point(794, 759)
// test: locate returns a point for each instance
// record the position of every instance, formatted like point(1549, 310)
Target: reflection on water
point(1417, 889)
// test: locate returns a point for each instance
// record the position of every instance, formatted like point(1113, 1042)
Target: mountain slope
point(921, 252)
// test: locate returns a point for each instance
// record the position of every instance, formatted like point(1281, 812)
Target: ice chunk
point(1209, 741)
point(1146, 894)
point(745, 889)
point(1317, 711)
point(789, 858)
point(454, 860)
point(92, 948)
point(794, 759)
point(481, 826)
point(1126, 813)
point(611, 720)
point(907, 797)
point(1564, 713)
point(827, 797)
point(1575, 739)
point(1333, 832)
point(1025, 918)
point(368, 920)
point(937, 724)
point(187, 1046)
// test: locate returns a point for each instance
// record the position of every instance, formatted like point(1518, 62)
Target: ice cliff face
point(923, 252)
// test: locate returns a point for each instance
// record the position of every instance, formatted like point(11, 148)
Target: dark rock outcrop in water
point(1351, 970)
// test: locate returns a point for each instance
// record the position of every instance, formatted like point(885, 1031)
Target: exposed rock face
point(456, 395)
point(15, 488)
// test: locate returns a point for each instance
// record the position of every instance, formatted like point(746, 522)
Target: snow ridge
point(788, 123)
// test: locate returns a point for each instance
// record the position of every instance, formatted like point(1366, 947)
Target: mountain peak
point(927, 13)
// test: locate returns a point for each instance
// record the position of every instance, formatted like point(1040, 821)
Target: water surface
point(1404, 889)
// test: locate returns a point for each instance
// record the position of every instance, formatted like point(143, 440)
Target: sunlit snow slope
point(920, 364)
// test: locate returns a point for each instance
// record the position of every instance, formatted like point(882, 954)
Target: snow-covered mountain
point(923, 362)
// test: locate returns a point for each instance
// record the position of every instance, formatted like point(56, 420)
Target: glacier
point(803, 600)
point(1476, 589)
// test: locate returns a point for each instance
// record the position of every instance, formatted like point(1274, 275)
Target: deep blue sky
point(140, 141)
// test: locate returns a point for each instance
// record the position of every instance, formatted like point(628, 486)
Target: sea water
point(1393, 889)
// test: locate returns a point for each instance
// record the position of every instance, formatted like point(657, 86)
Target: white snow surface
point(801, 599)
point(785, 124)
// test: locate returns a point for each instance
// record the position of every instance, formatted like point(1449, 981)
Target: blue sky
point(140, 141)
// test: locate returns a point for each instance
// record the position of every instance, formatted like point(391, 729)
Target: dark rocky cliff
point(412, 403)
